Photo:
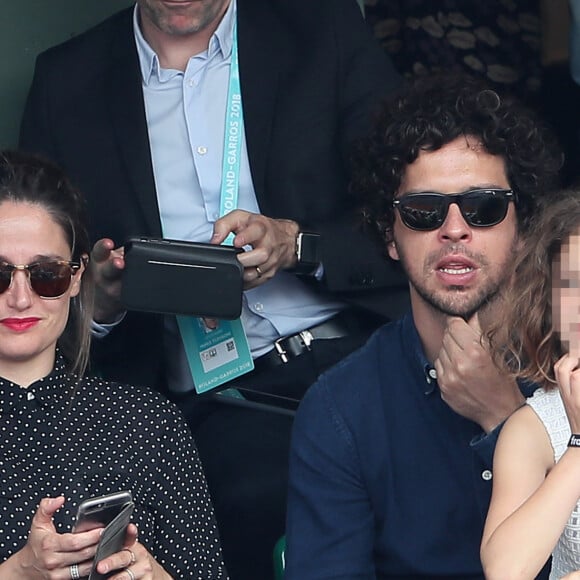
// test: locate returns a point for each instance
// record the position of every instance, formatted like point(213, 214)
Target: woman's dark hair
point(434, 111)
point(30, 179)
point(525, 341)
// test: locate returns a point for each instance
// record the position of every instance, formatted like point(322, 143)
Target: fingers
point(131, 536)
point(82, 570)
point(254, 261)
point(257, 275)
point(233, 222)
point(461, 333)
point(457, 335)
point(56, 553)
point(102, 249)
point(107, 264)
point(134, 558)
point(272, 242)
point(107, 261)
point(474, 324)
point(567, 376)
point(564, 371)
point(469, 381)
point(249, 229)
point(46, 509)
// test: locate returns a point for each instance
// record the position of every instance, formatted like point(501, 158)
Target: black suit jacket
point(310, 74)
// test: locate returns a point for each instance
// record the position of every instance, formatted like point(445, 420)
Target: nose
point(19, 295)
point(455, 228)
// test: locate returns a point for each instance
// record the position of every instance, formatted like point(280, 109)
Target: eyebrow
point(469, 188)
point(37, 258)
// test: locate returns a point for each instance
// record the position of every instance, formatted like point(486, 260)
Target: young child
point(535, 508)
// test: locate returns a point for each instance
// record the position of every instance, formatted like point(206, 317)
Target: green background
point(27, 27)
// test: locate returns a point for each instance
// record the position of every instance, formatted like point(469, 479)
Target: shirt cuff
point(484, 444)
point(100, 330)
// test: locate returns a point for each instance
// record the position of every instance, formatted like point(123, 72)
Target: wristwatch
point(307, 253)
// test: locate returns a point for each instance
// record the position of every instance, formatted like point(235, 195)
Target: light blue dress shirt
point(186, 113)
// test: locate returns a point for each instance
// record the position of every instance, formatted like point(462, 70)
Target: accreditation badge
point(217, 350)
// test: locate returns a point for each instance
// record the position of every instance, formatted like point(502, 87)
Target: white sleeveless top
point(550, 410)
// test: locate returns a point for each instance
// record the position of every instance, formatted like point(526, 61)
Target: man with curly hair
point(390, 472)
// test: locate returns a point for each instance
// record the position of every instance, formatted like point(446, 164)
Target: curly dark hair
point(432, 112)
point(26, 178)
point(525, 341)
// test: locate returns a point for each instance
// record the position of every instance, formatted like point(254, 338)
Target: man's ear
point(392, 250)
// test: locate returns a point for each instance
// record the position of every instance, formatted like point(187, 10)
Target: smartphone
point(113, 512)
point(99, 512)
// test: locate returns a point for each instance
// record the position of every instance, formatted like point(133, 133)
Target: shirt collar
point(55, 389)
point(412, 345)
point(221, 41)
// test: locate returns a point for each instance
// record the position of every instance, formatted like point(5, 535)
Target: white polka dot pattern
point(81, 440)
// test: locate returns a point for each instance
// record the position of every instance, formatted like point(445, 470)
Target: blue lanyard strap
point(234, 134)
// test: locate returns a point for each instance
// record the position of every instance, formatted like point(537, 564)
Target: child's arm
point(532, 499)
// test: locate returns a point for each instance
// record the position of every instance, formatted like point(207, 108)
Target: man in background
point(135, 111)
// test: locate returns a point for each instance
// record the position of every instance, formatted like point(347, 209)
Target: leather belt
point(289, 347)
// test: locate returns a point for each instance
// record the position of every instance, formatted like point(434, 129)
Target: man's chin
point(462, 306)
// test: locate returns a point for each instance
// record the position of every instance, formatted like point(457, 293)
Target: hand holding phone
point(113, 512)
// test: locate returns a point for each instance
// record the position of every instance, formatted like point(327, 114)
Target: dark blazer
point(310, 73)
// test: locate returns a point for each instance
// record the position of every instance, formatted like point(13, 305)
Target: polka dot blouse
point(58, 437)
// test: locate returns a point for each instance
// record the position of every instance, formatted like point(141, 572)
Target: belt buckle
point(306, 338)
point(280, 350)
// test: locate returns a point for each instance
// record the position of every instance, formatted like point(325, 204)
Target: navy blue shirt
point(386, 480)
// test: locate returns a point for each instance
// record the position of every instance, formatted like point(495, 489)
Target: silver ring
point(74, 572)
point(259, 272)
point(130, 573)
point(133, 558)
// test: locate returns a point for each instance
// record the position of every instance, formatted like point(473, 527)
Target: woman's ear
point(392, 250)
point(75, 287)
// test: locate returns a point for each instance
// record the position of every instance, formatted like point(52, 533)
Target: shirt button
point(191, 83)
point(259, 307)
point(486, 475)
point(202, 150)
point(433, 374)
point(30, 396)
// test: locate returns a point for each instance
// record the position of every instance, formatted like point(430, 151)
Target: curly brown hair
point(525, 342)
point(434, 111)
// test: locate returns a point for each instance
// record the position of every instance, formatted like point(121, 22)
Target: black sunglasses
point(480, 208)
point(49, 279)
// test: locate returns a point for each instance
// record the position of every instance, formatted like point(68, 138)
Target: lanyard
point(234, 134)
point(224, 353)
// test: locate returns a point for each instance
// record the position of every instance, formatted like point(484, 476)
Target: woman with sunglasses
point(67, 437)
point(535, 506)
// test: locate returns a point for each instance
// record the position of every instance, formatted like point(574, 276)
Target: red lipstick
point(19, 324)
